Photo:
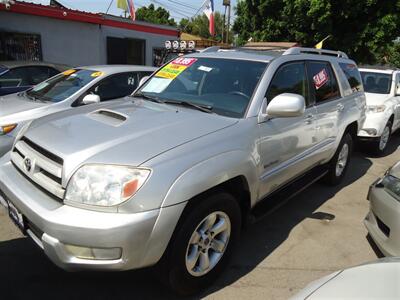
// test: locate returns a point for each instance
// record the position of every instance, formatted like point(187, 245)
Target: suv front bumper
point(141, 237)
point(373, 126)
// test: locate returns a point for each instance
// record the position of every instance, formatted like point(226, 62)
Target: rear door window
point(353, 76)
point(289, 78)
point(323, 81)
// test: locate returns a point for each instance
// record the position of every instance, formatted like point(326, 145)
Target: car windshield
point(63, 85)
point(378, 83)
point(223, 85)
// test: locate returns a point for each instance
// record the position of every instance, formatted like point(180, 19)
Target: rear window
point(353, 76)
point(378, 83)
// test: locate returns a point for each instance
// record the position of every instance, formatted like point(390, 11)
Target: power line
point(183, 4)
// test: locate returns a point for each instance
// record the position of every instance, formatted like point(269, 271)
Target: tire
point(380, 146)
point(175, 268)
point(335, 171)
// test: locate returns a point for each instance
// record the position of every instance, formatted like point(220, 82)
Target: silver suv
point(169, 177)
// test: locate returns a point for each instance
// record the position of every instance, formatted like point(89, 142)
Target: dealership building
point(59, 35)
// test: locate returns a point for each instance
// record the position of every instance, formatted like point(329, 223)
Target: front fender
point(197, 179)
point(212, 172)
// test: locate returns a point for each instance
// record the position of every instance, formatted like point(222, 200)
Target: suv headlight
point(105, 185)
point(376, 108)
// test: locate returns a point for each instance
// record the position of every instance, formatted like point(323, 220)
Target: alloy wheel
point(208, 243)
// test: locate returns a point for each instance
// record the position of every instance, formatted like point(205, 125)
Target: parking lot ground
point(315, 233)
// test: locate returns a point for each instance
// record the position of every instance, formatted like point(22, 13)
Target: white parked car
point(377, 280)
point(382, 90)
point(69, 89)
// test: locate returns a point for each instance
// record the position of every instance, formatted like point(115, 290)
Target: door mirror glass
point(286, 105)
point(143, 80)
point(90, 99)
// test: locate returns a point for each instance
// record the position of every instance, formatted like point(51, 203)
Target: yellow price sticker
point(96, 74)
point(69, 72)
point(171, 71)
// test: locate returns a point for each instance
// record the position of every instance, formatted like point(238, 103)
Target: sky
point(178, 8)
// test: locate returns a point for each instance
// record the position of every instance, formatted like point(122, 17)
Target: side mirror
point(90, 99)
point(143, 80)
point(286, 105)
point(397, 92)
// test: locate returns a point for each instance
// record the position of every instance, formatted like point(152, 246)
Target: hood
point(14, 108)
point(376, 99)
point(121, 132)
point(370, 281)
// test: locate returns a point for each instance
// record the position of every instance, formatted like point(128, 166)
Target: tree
point(156, 16)
point(392, 56)
point(200, 26)
point(363, 29)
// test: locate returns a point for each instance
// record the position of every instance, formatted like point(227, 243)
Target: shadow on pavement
point(25, 272)
point(263, 237)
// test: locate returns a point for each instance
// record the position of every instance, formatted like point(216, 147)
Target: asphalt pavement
point(313, 234)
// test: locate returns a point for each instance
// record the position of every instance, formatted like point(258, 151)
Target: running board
point(280, 197)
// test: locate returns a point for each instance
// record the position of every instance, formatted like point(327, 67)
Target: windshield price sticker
point(184, 61)
point(176, 67)
point(69, 72)
point(96, 74)
point(320, 79)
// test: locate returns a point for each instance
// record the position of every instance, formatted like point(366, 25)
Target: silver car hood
point(14, 108)
point(121, 132)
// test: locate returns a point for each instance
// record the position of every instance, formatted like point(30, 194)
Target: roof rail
point(211, 49)
point(301, 50)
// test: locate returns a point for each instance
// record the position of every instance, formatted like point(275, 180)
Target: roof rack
point(301, 50)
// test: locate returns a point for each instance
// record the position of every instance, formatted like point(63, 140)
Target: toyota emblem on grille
point(28, 164)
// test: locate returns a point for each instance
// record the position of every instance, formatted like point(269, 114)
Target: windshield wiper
point(147, 97)
point(201, 107)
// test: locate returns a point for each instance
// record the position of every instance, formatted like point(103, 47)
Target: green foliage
point(156, 16)
point(199, 26)
point(362, 28)
point(393, 55)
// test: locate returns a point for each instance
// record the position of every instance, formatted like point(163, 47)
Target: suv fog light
point(94, 253)
point(371, 131)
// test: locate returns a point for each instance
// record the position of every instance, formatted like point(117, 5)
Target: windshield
point(378, 83)
point(63, 85)
point(223, 85)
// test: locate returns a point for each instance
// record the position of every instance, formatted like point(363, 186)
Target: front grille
point(383, 227)
point(40, 166)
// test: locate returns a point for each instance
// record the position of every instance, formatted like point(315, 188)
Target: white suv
point(382, 90)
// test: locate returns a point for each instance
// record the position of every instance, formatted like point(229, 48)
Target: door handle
point(340, 107)
point(309, 119)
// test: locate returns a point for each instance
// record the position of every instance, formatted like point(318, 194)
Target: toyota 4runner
point(168, 177)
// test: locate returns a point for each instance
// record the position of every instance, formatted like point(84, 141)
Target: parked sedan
point(72, 88)
point(383, 219)
point(377, 280)
point(17, 76)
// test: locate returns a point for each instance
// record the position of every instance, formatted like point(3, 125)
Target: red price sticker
point(320, 79)
point(184, 61)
